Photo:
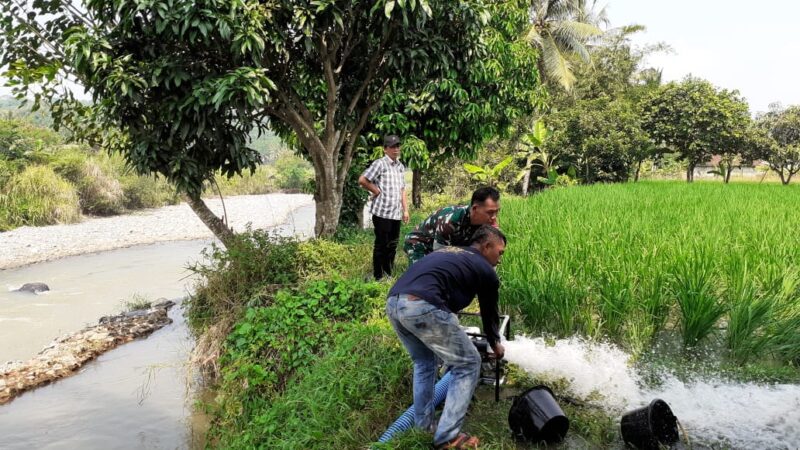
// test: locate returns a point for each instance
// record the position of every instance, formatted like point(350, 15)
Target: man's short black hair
point(486, 232)
point(481, 194)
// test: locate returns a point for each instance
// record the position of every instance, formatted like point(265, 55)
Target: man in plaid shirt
point(384, 179)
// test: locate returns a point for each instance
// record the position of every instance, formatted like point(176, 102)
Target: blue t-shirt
point(450, 278)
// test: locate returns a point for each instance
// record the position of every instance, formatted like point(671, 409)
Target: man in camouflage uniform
point(453, 225)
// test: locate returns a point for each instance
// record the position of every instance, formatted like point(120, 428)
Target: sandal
point(460, 442)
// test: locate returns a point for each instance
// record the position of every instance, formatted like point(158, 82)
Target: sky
point(750, 46)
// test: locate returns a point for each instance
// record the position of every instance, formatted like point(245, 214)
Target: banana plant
point(531, 149)
point(490, 175)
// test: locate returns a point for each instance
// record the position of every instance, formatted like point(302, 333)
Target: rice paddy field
point(684, 266)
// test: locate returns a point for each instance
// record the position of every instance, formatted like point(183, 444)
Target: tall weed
point(38, 196)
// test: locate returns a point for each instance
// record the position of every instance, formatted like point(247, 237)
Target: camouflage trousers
point(415, 250)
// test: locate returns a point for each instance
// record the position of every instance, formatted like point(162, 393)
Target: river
point(136, 396)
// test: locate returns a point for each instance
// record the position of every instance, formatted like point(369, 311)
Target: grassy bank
point(304, 357)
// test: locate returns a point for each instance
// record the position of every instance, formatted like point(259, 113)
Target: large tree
point(694, 119)
point(602, 138)
point(782, 151)
point(455, 112)
point(178, 85)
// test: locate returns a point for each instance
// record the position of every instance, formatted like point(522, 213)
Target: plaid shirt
point(389, 176)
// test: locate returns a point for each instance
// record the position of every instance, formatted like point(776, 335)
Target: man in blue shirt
point(421, 308)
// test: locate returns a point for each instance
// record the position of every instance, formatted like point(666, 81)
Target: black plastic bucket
point(535, 416)
point(650, 426)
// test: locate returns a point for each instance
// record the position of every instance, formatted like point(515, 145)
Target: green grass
point(629, 261)
point(701, 269)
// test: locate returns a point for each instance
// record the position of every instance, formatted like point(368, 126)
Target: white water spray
point(713, 411)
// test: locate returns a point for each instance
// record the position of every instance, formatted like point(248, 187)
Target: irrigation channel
point(135, 396)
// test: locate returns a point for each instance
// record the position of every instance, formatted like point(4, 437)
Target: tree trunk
point(526, 182)
point(416, 188)
point(728, 171)
point(214, 223)
point(328, 199)
point(783, 178)
point(690, 173)
point(638, 169)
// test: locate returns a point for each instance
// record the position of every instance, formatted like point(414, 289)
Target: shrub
point(254, 262)
point(262, 181)
point(147, 192)
point(20, 139)
point(293, 172)
point(38, 196)
point(98, 188)
point(320, 258)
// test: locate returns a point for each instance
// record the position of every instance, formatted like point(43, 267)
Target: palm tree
point(560, 29)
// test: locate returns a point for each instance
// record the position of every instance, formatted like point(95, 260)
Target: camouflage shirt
point(447, 226)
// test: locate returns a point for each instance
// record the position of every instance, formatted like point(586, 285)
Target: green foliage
point(342, 400)
point(490, 175)
point(561, 29)
point(781, 145)
point(602, 139)
point(270, 344)
point(694, 119)
point(38, 196)
point(294, 173)
point(179, 87)
point(321, 258)
point(254, 264)
point(261, 181)
point(99, 189)
point(136, 302)
point(20, 139)
point(258, 263)
point(454, 113)
point(147, 192)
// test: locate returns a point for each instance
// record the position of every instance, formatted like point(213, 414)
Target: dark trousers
point(387, 232)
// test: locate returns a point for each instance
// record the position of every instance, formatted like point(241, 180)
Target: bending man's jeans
point(428, 332)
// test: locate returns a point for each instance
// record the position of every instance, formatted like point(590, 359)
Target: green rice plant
point(38, 196)
point(750, 313)
point(694, 290)
point(616, 299)
point(613, 259)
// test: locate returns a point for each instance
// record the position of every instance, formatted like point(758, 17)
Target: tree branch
point(372, 68)
point(353, 135)
point(330, 79)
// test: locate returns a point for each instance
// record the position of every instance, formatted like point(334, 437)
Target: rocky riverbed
point(66, 354)
point(28, 245)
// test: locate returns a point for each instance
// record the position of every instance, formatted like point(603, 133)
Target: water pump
point(493, 371)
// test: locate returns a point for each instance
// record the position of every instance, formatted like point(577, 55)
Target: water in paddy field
point(714, 412)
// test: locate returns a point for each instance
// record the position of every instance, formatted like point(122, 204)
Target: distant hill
point(268, 145)
point(11, 106)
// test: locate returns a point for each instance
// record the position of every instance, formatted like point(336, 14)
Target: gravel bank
point(28, 245)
